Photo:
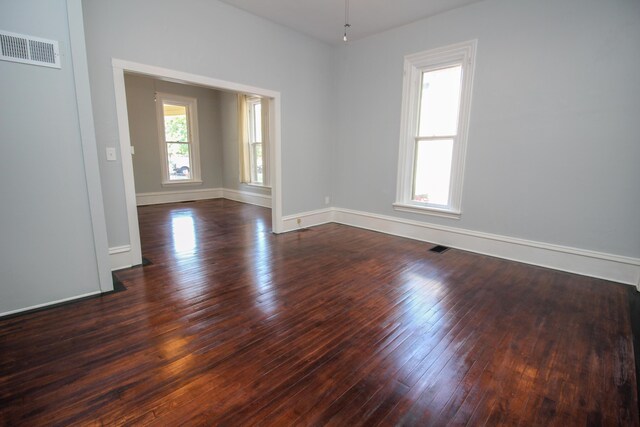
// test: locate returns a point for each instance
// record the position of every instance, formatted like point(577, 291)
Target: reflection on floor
point(336, 325)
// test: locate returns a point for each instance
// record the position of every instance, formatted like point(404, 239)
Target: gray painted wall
point(213, 39)
point(553, 146)
point(46, 250)
point(218, 132)
point(143, 129)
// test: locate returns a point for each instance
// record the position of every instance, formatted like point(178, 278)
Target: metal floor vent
point(439, 249)
point(29, 50)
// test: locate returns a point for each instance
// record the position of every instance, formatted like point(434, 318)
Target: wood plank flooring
point(232, 325)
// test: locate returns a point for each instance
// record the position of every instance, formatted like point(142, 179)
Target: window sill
point(423, 210)
point(185, 182)
point(251, 184)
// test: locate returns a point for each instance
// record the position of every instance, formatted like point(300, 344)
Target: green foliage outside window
point(175, 128)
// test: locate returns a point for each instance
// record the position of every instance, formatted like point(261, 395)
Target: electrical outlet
point(111, 154)
point(299, 221)
point(327, 200)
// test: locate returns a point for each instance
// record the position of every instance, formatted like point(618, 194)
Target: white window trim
point(194, 141)
point(265, 159)
point(253, 184)
point(414, 65)
point(251, 103)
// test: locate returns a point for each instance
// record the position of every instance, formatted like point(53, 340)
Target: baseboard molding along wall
point(47, 304)
point(308, 219)
point(601, 265)
point(247, 197)
point(120, 257)
point(160, 197)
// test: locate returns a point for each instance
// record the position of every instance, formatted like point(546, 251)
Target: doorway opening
point(271, 158)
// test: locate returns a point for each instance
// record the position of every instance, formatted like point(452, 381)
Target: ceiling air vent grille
point(29, 50)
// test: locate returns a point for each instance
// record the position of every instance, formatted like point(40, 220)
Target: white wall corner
point(263, 200)
point(120, 257)
point(88, 141)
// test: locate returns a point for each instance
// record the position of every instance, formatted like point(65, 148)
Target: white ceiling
point(324, 19)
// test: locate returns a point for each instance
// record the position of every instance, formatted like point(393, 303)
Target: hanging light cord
point(346, 20)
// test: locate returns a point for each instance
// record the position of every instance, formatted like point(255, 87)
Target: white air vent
point(29, 50)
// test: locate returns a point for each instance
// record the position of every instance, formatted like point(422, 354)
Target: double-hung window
point(253, 132)
point(178, 132)
point(435, 115)
point(256, 158)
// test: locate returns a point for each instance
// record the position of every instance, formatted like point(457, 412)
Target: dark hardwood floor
point(334, 325)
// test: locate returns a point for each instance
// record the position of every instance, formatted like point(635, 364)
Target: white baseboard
point(47, 304)
point(160, 197)
point(120, 257)
point(601, 265)
point(307, 219)
point(263, 200)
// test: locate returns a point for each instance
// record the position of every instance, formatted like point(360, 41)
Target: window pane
point(179, 162)
point(175, 123)
point(440, 102)
point(433, 171)
point(257, 164)
point(257, 122)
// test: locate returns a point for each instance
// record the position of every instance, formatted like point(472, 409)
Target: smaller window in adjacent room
point(253, 116)
point(178, 130)
point(256, 163)
point(435, 115)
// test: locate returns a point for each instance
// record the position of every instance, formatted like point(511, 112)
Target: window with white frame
point(255, 141)
point(178, 132)
point(436, 104)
